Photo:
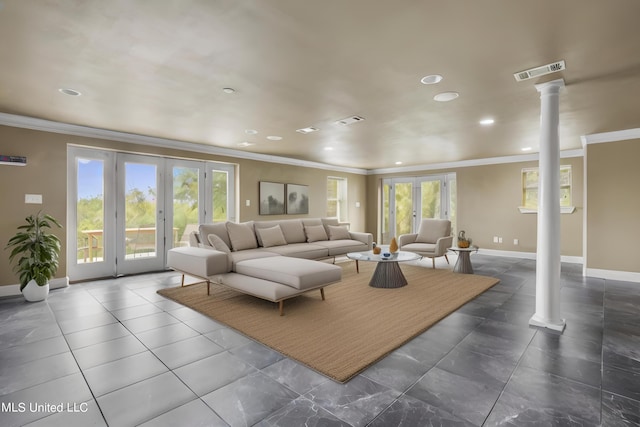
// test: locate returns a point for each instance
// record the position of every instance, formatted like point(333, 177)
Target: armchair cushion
point(432, 229)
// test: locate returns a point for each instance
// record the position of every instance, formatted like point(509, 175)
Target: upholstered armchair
point(432, 239)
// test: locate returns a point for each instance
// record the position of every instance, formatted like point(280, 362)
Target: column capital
point(552, 86)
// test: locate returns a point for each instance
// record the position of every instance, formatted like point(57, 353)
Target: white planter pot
point(32, 292)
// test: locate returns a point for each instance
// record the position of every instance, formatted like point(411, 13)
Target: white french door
point(140, 214)
point(407, 200)
point(125, 211)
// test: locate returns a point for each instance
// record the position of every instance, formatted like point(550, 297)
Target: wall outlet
point(357, 204)
point(247, 202)
point(499, 239)
point(495, 239)
point(516, 242)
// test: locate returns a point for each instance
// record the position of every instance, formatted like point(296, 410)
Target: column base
point(559, 327)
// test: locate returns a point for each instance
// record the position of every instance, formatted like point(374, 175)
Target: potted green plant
point(37, 252)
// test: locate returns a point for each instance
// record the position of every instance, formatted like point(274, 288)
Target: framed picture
point(272, 199)
point(297, 199)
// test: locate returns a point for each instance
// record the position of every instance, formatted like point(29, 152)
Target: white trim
point(625, 276)
point(527, 255)
point(89, 132)
point(14, 290)
point(9, 290)
point(618, 135)
point(563, 210)
point(67, 129)
point(475, 162)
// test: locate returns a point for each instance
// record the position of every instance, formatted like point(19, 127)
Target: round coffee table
point(388, 273)
point(463, 265)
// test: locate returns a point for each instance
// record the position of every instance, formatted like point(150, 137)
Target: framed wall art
point(297, 199)
point(272, 198)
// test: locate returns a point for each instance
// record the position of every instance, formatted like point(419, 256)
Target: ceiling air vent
point(350, 120)
point(539, 71)
point(307, 130)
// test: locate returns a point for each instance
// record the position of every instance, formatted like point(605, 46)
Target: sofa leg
point(208, 289)
point(281, 307)
point(182, 281)
point(322, 293)
point(357, 267)
point(433, 260)
point(447, 258)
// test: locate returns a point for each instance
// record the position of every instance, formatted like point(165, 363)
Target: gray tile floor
point(116, 353)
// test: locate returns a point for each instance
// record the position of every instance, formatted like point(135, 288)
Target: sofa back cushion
point(219, 229)
point(271, 236)
point(292, 229)
point(242, 236)
point(433, 229)
point(338, 233)
point(315, 233)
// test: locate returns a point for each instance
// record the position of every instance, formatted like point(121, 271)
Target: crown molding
point(89, 132)
point(618, 135)
point(475, 162)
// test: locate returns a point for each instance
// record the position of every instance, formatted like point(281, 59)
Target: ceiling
point(158, 68)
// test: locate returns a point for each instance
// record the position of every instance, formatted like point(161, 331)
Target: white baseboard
point(528, 255)
point(624, 276)
point(14, 290)
point(9, 290)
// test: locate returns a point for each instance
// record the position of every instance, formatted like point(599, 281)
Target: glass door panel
point(90, 212)
point(430, 199)
point(220, 193)
point(404, 212)
point(219, 198)
point(186, 181)
point(141, 242)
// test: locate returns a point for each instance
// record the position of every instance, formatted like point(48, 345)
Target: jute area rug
point(354, 327)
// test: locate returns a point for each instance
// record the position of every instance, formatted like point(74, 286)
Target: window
point(337, 198)
point(530, 190)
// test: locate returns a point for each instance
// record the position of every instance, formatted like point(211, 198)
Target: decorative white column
point(547, 313)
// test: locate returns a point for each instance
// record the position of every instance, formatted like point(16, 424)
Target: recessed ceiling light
point(446, 96)
point(431, 79)
point(250, 131)
point(274, 138)
point(228, 90)
point(526, 149)
point(398, 163)
point(245, 144)
point(487, 122)
point(328, 148)
point(307, 130)
point(69, 92)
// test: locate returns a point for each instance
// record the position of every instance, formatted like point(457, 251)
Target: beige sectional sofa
point(273, 260)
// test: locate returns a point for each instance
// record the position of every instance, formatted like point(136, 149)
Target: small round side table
point(463, 264)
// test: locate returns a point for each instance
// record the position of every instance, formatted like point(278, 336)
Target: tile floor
point(116, 353)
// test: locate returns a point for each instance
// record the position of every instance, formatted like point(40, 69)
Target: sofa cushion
point(293, 231)
point(298, 273)
point(201, 262)
point(338, 233)
point(219, 229)
point(301, 250)
point(315, 233)
point(341, 247)
point(242, 236)
point(432, 229)
point(420, 248)
point(218, 244)
point(271, 236)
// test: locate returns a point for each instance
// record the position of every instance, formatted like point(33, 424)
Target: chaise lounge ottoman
point(275, 278)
